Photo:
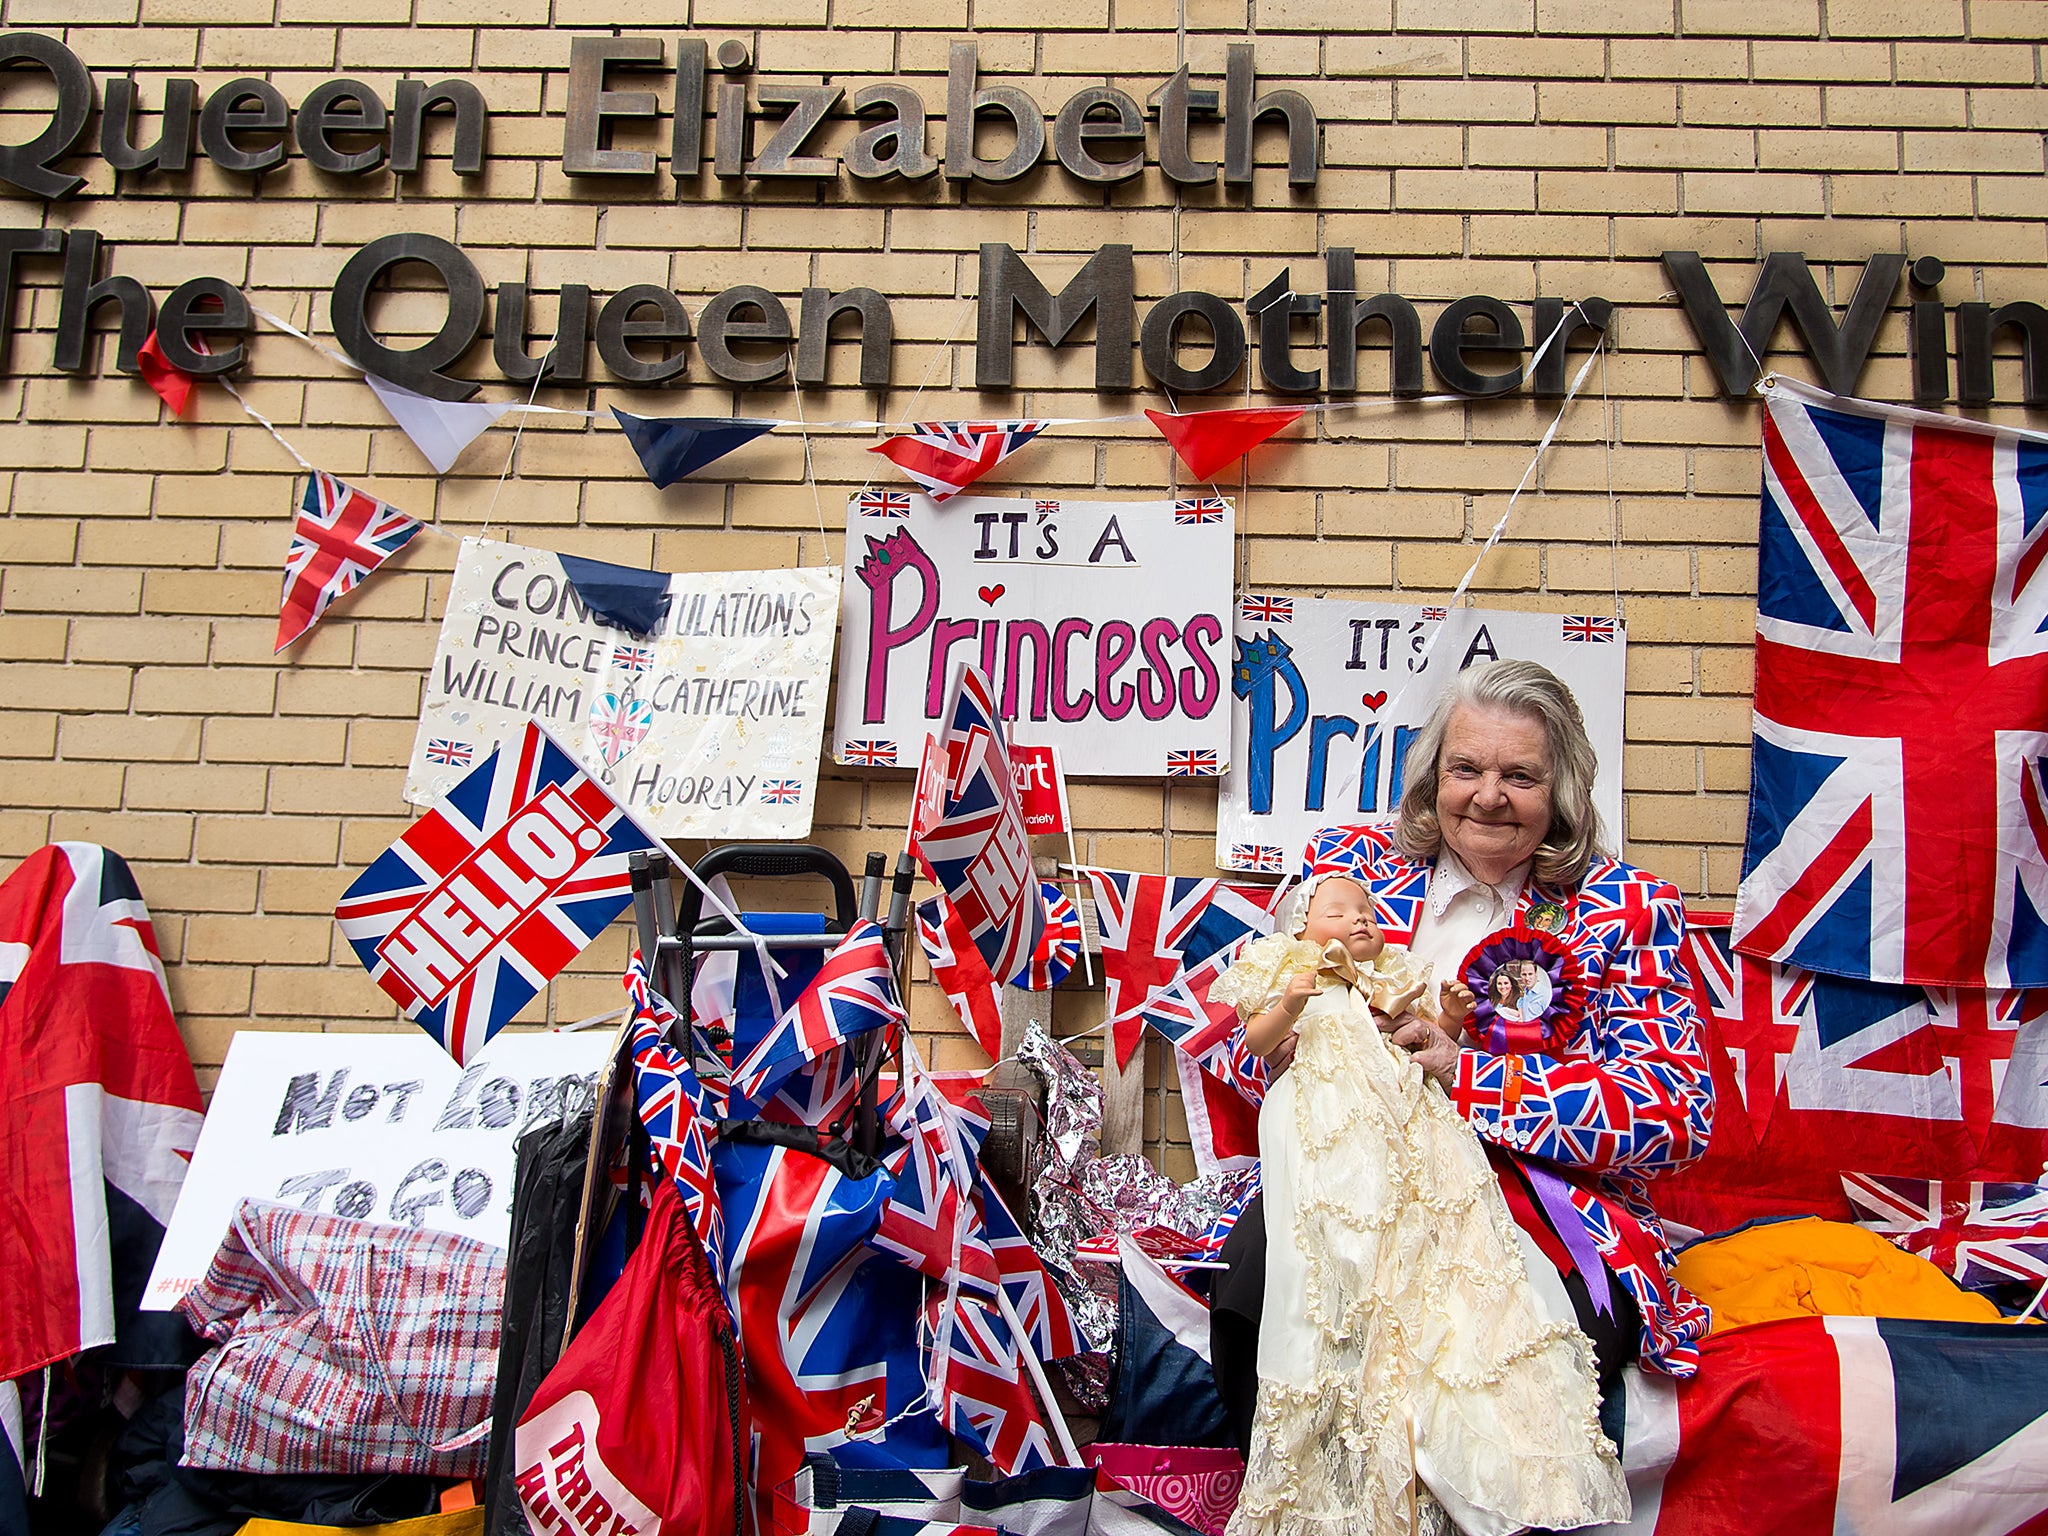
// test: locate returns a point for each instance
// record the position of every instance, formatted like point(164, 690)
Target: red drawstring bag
point(637, 1430)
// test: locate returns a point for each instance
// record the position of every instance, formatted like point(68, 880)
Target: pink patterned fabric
point(1198, 1484)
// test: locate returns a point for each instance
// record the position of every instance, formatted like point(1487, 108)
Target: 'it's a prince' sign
point(1104, 627)
point(1328, 696)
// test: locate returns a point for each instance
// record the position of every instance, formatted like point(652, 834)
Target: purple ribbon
point(1555, 1196)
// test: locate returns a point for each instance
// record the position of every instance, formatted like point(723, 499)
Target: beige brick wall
point(1511, 147)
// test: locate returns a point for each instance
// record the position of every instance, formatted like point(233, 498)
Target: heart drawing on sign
point(1373, 700)
point(990, 594)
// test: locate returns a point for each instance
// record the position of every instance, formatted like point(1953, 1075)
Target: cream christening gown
point(1400, 1341)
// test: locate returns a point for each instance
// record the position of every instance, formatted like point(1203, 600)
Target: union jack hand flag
point(961, 973)
point(1588, 629)
point(486, 898)
point(338, 539)
point(978, 853)
point(678, 1111)
point(1191, 511)
point(882, 503)
point(1897, 815)
point(869, 754)
point(452, 754)
point(1260, 609)
point(926, 1220)
point(853, 992)
point(1192, 765)
point(945, 457)
point(1984, 1235)
point(985, 1398)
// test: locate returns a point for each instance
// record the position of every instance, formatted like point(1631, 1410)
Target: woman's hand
point(1431, 1049)
point(1300, 988)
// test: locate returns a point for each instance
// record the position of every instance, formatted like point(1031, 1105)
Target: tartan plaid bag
point(343, 1347)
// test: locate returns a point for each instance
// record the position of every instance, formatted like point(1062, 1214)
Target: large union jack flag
point(828, 1327)
point(678, 1111)
point(1818, 1076)
point(978, 852)
point(486, 898)
point(339, 537)
point(853, 992)
point(1898, 825)
point(945, 457)
point(1985, 1235)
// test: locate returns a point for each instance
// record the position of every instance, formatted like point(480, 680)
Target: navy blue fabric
point(672, 447)
point(1160, 1391)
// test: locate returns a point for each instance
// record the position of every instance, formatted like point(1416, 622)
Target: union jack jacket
point(1629, 1097)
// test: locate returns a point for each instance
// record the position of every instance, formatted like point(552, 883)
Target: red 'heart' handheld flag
point(171, 382)
point(340, 536)
point(978, 853)
point(1208, 440)
point(945, 457)
point(487, 897)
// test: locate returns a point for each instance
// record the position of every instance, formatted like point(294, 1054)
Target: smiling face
point(1342, 910)
point(1493, 789)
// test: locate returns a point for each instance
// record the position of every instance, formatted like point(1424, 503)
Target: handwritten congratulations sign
point(375, 1127)
point(1102, 625)
point(711, 725)
point(1310, 677)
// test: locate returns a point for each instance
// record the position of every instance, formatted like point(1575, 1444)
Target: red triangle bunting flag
point(339, 537)
point(1208, 440)
point(171, 382)
point(945, 457)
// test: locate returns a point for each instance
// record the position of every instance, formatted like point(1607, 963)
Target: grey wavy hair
point(1532, 690)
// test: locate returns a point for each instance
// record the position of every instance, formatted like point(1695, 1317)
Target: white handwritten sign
point(375, 1127)
point(1103, 627)
point(710, 726)
point(1311, 676)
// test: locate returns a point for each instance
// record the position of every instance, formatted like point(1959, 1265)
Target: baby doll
point(1406, 1373)
point(1395, 982)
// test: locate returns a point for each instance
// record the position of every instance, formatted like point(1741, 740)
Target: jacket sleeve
point(1636, 1095)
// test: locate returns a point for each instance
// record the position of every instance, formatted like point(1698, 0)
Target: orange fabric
point(1815, 1268)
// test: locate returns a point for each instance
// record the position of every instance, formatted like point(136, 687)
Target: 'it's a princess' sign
point(1104, 627)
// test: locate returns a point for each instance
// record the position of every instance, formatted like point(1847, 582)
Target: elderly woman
point(1497, 828)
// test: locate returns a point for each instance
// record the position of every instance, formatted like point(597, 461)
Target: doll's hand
point(1300, 988)
point(1456, 1001)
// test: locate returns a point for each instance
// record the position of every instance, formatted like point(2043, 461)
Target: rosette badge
point(1530, 987)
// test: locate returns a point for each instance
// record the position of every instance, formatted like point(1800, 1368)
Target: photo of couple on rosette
point(1476, 1051)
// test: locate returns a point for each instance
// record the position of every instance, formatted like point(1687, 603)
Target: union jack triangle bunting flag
point(945, 457)
point(340, 536)
point(486, 898)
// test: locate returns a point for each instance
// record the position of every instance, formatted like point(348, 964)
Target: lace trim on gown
point(1427, 1335)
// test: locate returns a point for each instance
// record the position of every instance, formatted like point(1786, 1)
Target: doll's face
point(1342, 910)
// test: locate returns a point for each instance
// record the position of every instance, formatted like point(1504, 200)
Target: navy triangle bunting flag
point(672, 447)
